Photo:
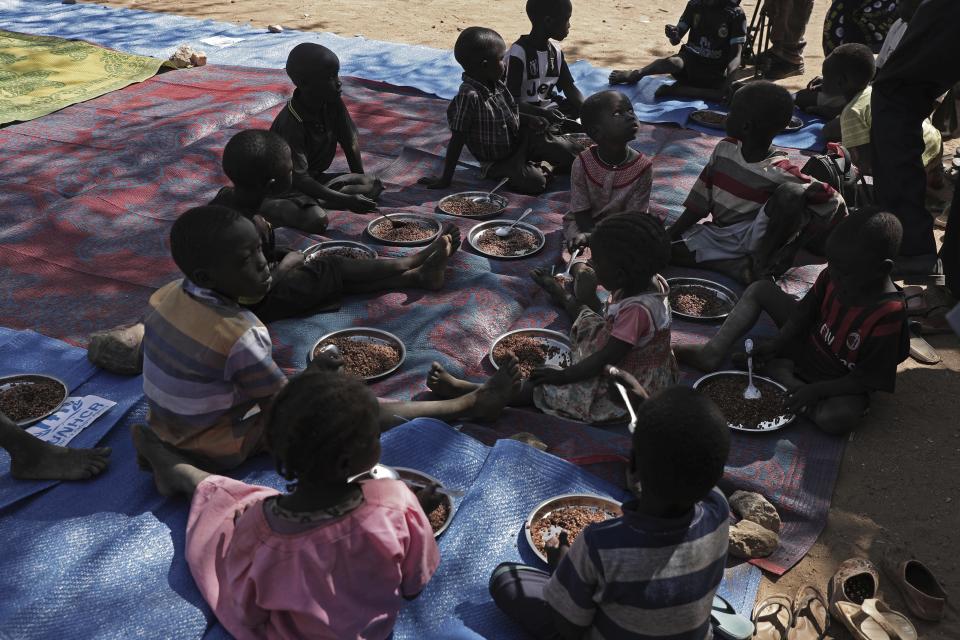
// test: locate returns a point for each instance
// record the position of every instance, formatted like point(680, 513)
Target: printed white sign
point(220, 41)
point(75, 415)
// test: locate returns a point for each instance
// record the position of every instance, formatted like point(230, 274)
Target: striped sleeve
point(886, 343)
point(822, 200)
point(250, 364)
point(855, 122)
point(700, 199)
point(573, 590)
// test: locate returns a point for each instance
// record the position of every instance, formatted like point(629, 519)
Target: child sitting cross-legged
point(329, 559)
point(842, 341)
point(208, 370)
point(632, 333)
point(536, 68)
point(608, 178)
point(704, 66)
point(653, 572)
point(485, 117)
point(258, 163)
point(764, 209)
point(314, 123)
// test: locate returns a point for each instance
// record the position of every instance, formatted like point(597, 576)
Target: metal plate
point(315, 250)
point(551, 338)
point(718, 120)
point(499, 200)
point(546, 507)
point(368, 334)
point(580, 139)
point(493, 224)
point(692, 284)
point(409, 217)
point(419, 476)
point(764, 427)
point(8, 381)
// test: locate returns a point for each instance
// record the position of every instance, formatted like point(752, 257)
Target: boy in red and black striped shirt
point(842, 341)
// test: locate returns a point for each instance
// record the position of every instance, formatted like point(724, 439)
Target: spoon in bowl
point(503, 232)
point(751, 392)
point(489, 196)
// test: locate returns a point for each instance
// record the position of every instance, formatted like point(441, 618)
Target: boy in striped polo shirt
point(759, 201)
point(208, 369)
point(842, 341)
point(653, 572)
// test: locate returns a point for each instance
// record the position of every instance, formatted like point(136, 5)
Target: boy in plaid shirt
point(485, 117)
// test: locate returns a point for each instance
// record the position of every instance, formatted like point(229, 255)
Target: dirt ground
point(899, 475)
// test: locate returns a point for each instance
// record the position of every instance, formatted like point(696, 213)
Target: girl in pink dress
point(632, 332)
point(331, 559)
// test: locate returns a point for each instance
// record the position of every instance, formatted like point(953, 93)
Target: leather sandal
point(811, 620)
point(924, 596)
point(856, 580)
point(897, 625)
point(772, 618)
point(860, 625)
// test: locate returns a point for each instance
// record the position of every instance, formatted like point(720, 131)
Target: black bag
point(836, 169)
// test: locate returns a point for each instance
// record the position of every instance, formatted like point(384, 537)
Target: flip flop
point(727, 623)
point(773, 617)
point(893, 622)
point(811, 620)
point(921, 351)
point(860, 625)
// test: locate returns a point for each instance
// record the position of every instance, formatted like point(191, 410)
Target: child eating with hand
point(333, 558)
point(536, 68)
point(259, 164)
point(632, 333)
point(608, 178)
point(652, 572)
point(485, 118)
point(763, 208)
point(704, 66)
point(842, 341)
point(314, 123)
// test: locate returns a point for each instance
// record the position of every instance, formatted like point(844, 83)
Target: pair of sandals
point(854, 593)
point(806, 617)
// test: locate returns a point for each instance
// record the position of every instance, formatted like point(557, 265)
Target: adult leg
point(763, 296)
point(173, 473)
point(484, 403)
point(517, 590)
point(950, 251)
point(788, 23)
point(34, 459)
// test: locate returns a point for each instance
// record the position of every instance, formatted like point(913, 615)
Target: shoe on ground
point(856, 580)
point(777, 68)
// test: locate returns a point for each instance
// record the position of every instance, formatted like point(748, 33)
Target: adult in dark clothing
point(904, 94)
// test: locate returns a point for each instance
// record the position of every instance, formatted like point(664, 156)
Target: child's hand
point(806, 396)
point(672, 33)
point(328, 359)
point(556, 547)
point(538, 124)
point(577, 241)
point(764, 350)
point(433, 182)
point(636, 391)
point(292, 260)
point(361, 204)
point(428, 497)
point(548, 374)
point(807, 98)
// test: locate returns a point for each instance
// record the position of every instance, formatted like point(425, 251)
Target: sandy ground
point(899, 474)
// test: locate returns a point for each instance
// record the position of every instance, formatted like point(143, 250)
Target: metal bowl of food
point(473, 204)
point(340, 249)
point(441, 516)
point(413, 229)
point(368, 353)
point(766, 414)
point(553, 349)
point(30, 397)
point(571, 512)
point(700, 300)
point(524, 241)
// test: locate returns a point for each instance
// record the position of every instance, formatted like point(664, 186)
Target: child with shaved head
point(314, 123)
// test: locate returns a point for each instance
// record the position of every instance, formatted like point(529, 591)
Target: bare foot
point(698, 356)
point(39, 460)
point(431, 272)
point(493, 395)
point(548, 283)
point(585, 288)
point(172, 473)
point(448, 241)
point(441, 383)
point(620, 76)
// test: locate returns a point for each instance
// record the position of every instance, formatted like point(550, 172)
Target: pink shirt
point(339, 580)
point(635, 320)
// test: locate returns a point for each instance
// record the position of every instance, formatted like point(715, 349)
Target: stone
point(755, 508)
point(198, 59)
point(528, 438)
point(749, 540)
point(118, 350)
point(274, 28)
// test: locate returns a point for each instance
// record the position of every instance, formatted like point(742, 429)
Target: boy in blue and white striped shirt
point(651, 573)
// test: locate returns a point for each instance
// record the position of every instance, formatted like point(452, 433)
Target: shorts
point(314, 286)
point(700, 72)
point(709, 241)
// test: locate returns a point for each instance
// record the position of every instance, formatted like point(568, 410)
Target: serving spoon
point(751, 392)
